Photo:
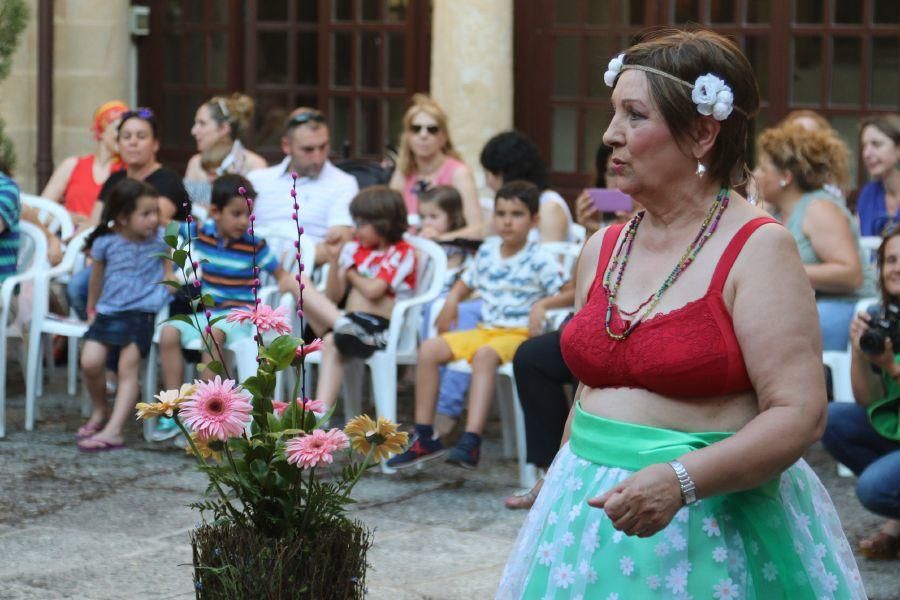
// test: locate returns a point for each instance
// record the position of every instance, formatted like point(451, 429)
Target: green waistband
point(631, 446)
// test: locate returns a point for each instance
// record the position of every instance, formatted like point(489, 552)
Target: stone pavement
point(115, 525)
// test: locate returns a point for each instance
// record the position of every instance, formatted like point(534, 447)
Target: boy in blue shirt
point(511, 274)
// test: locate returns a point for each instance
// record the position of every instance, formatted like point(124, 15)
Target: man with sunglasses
point(324, 192)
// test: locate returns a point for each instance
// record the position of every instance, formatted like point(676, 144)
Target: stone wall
point(91, 44)
point(472, 70)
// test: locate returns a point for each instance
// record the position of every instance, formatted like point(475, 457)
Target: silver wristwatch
point(688, 489)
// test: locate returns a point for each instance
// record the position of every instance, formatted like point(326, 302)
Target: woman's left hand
point(644, 503)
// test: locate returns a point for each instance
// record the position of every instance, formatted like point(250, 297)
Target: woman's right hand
point(858, 326)
point(586, 212)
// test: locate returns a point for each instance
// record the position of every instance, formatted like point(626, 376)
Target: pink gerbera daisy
point(307, 451)
point(309, 348)
point(217, 409)
point(317, 406)
point(264, 317)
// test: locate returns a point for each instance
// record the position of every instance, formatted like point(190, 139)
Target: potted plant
point(275, 513)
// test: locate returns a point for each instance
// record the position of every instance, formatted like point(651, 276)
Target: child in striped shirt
point(224, 241)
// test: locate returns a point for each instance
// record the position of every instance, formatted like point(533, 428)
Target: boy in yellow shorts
point(511, 274)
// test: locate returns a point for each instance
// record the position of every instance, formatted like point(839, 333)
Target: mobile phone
point(610, 200)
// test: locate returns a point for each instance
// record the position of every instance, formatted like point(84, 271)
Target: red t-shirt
point(395, 264)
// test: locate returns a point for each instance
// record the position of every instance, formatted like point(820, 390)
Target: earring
point(701, 169)
point(782, 183)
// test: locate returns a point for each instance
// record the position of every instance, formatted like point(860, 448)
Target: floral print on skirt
point(787, 544)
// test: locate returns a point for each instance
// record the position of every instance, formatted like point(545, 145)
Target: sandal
point(88, 430)
point(524, 500)
point(881, 546)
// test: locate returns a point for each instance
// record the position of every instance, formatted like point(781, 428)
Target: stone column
point(472, 71)
point(91, 43)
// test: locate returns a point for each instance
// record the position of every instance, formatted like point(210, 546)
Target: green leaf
point(259, 469)
point(172, 283)
point(173, 228)
point(162, 255)
point(181, 318)
point(216, 367)
point(171, 241)
point(282, 351)
point(207, 301)
point(215, 320)
point(275, 424)
point(179, 257)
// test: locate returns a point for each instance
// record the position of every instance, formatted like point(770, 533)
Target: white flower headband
point(711, 95)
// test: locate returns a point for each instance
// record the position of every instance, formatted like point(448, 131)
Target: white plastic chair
point(403, 333)
point(32, 264)
point(511, 417)
point(567, 252)
point(52, 214)
point(577, 233)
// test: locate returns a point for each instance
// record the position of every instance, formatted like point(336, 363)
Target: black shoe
point(466, 452)
point(418, 452)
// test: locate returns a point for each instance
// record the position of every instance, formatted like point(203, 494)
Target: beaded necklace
point(620, 260)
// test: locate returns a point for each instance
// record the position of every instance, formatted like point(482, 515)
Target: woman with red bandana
point(77, 180)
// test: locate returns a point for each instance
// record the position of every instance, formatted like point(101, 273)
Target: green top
point(808, 254)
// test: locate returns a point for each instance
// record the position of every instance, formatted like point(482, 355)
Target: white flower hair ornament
point(711, 94)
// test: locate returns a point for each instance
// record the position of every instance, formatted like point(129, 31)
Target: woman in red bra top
point(699, 363)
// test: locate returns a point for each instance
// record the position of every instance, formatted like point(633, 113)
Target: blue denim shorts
point(120, 329)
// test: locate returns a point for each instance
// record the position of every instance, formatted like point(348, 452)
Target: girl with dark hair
point(124, 295)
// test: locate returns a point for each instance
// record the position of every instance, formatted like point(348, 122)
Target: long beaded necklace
point(620, 260)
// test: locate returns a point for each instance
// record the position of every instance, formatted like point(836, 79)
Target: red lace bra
point(691, 351)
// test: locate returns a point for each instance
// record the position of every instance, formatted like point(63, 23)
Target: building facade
point(493, 64)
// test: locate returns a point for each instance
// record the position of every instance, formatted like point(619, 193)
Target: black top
point(166, 181)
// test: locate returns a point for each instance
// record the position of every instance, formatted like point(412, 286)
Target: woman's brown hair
point(886, 298)
point(814, 158)
point(384, 209)
point(406, 162)
point(688, 54)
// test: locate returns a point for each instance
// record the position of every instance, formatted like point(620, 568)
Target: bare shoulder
point(193, 169)
point(587, 265)
point(822, 211)
point(255, 161)
point(462, 174)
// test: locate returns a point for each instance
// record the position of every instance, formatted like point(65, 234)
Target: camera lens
point(872, 342)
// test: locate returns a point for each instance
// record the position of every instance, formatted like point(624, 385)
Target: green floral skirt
point(782, 540)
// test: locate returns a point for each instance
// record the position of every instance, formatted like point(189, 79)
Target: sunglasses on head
point(140, 113)
point(432, 129)
point(305, 117)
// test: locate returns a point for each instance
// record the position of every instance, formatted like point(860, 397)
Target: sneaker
point(165, 429)
point(419, 451)
point(466, 452)
point(368, 329)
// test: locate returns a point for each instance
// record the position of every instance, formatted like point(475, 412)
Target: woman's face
point(645, 158)
point(426, 138)
point(768, 179)
point(137, 145)
point(879, 153)
point(432, 216)
point(890, 270)
point(206, 130)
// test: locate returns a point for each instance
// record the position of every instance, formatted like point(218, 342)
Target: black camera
point(883, 325)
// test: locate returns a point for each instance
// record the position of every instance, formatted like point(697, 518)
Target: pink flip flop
point(88, 430)
point(103, 445)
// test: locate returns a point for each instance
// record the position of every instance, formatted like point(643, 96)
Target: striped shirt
point(228, 276)
point(9, 239)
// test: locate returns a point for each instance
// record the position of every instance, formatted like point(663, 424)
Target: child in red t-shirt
point(367, 276)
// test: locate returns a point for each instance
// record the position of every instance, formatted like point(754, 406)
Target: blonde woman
point(427, 159)
point(218, 125)
point(793, 168)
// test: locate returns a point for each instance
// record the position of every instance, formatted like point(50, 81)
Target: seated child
point(372, 271)
point(440, 210)
point(124, 295)
point(224, 240)
point(511, 274)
